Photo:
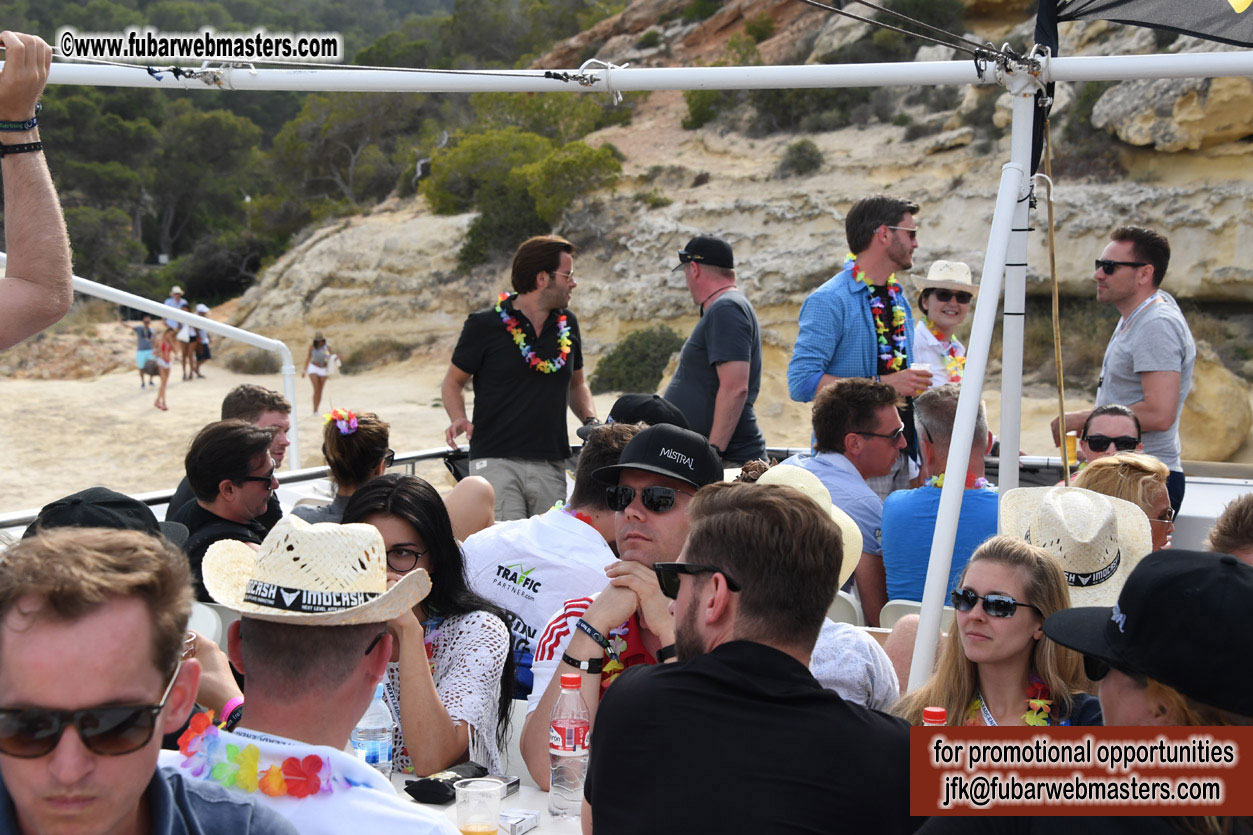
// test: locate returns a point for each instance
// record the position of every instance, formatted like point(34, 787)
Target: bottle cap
point(571, 681)
point(934, 716)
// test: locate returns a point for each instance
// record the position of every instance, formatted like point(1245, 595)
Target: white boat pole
point(162, 311)
point(1012, 326)
point(1013, 188)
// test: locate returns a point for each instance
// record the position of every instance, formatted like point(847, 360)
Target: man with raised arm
point(37, 287)
point(860, 323)
point(525, 356)
point(1148, 362)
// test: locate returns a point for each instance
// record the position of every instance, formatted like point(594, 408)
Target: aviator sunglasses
point(656, 499)
point(1122, 443)
point(668, 576)
point(111, 731)
point(1107, 266)
point(996, 605)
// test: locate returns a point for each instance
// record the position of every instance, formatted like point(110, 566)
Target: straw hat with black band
point(802, 480)
point(1097, 539)
point(311, 575)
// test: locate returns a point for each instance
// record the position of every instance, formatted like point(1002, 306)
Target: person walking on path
point(165, 360)
point(317, 367)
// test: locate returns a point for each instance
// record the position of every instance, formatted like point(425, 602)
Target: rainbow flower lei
point(532, 359)
point(209, 756)
point(1039, 706)
point(938, 481)
point(892, 354)
point(954, 363)
point(345, 420)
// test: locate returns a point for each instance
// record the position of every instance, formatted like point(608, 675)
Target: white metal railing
point(162, 311)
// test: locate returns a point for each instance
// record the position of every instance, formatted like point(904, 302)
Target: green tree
point(461, 173)
point(105, 249)
point(567, 173)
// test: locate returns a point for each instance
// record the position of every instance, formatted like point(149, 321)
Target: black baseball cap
point(100, 507)
point(706, 249)
point(652, 409)
point(1181, 619)
point(670, 451)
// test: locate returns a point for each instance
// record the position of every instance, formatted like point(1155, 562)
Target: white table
point(526, 797)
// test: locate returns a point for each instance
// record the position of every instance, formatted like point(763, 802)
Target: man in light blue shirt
point(860, 323)
point(858, 434)
point(909, 516)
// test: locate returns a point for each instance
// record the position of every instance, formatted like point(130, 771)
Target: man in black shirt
point(525, 356)
point(232, 475)
point(737, 735)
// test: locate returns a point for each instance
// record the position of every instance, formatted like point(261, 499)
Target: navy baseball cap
point(706, 249)
point(670, 451)
point(100, 507)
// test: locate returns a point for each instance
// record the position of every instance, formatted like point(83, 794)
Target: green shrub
point(942, 99)
point(1085, 151)
point(700, 9)
point(883, 103)
point(902, 119)
point(801, 157)
point(759, 28)
point(376, 352)
point(920, 129)
point(254, 361)
point(653, 199)
point(482, 161)
point(637, 362)
point(507, 218)
point(649, 40)
point(568, 172)
point(703, 106)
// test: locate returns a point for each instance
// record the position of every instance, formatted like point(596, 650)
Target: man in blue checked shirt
point(859, 323)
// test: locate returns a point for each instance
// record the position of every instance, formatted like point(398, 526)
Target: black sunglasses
point(1096, 669)
point(668, 576)
point(389, 457)
point(375, 642)
point(30, 732)
point(656, 499)
point(996, 605)
point(948, 295)
point(1107, 266)
point(894, 437)
point(403, 560)
point(1122, 443)
point(264, 479)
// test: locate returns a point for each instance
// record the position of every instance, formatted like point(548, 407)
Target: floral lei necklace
point(954, 363)
point(211, 757)
point(532, 359)
point(1039, 707)
point(971, 484)
point(891, 351)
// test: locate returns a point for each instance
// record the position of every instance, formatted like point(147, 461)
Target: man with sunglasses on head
point(1148, 362)
point(525, 356)
point(629, 621)
point(91, 630)
point(719, 371)
point(860, 323)
point(738, 735)
point(858, 435)
point(231, 473)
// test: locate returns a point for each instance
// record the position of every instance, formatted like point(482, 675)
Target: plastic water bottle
point(567, 749)
point(372, 738)
point(934, 717)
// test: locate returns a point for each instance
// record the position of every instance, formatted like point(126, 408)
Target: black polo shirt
point(519, 412)
point(205, 528)
point(743, 739)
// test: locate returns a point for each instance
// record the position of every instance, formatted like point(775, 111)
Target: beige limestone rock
point(949, 140)
point(1216, 416)
point(1177, 114)
point(836, 32)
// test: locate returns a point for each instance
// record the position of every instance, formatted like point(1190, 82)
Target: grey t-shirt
point(1156, 339)
point(727, 332)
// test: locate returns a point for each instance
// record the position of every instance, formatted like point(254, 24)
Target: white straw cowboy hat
point(1097, 539)
point(311, 575)
point(801, 479)
point(948, 275)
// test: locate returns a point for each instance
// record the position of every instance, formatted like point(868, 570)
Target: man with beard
point(859, 323)
point(738, 728)
point(525, 356)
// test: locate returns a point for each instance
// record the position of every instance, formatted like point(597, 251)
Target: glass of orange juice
point(478, 805)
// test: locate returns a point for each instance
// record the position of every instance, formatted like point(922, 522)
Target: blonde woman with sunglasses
point(1139, 479)
point(996, 666)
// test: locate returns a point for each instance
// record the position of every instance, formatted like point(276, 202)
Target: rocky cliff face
point(393, 270)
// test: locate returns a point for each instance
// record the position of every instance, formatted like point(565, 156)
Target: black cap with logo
point(1181, 619)
point(706, 249)
point(100, 507)
point(670, 451)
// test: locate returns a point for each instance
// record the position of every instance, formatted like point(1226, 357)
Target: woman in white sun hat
point(944, 300)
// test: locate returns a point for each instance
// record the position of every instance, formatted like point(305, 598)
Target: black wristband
point(24, 148)
point(591, 632)
point(666, 653)
point(591, 665)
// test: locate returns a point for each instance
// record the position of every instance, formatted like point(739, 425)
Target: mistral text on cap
point(679, 458)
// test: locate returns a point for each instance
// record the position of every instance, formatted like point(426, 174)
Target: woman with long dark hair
point(450, 683)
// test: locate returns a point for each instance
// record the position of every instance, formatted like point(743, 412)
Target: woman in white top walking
point(944, 301)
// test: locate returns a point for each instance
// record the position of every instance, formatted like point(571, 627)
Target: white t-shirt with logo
point(531, 567)
point(348, 796)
